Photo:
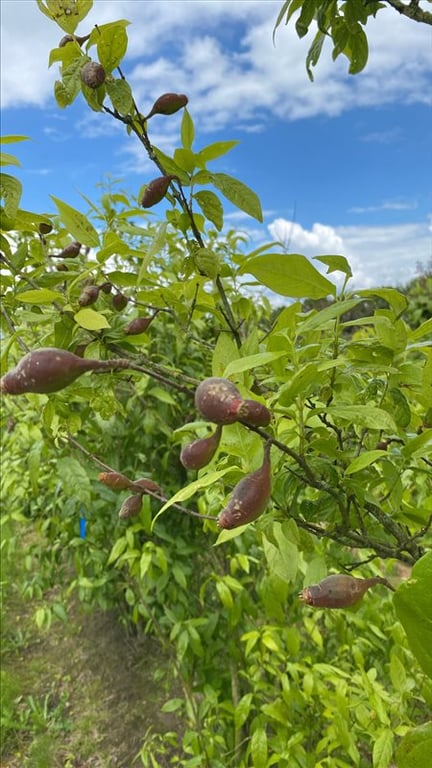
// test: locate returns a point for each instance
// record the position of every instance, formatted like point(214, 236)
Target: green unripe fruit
point(45, 228)
point(207, 262)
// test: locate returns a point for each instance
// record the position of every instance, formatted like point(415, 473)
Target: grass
point(82, 694)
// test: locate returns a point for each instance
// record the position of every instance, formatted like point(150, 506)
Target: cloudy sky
point(341, 165)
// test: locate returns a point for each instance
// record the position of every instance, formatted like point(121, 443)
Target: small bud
point(45, 228)
point(93, 74)
point(168, 104)
point(156, 191)
point(106, 287)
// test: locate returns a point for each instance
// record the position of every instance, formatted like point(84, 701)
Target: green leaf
point(66, 13)
point(251, 361)
point(289, 274)
point(415, 749)
point(7, 159)
point(394, 298)
point(187, 130)
point(213, 151)
point(238, 194)
point(241, 712)
point(13, 139)
point(120, 94)
point(117, 550)
point(77, 224)
point(40, 296)
point(364, 416)
point(413, 604)
point(299, 384)
point(418, 444)
point(258, 748)
point(185, 159)
point(10, 192)
point(171, 167)
point(193, 488)
point(357, 51)
point(383, 749)
point(314, 53)
point(111, 44)
point(335, 264)
point(91, 320)
point(364, 460)
point(321, 319)
point(211, 207)
point(227, 535)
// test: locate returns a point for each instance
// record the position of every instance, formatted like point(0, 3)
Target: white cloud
point(222, 55)
point(382, 255)
point(390, 205)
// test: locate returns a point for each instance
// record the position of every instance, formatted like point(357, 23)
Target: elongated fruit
point(50, 369)
point(197, 454)
point(131, 506)
point(249, 497)
point(156, 191)
point(339, 590)
point(168, 104)
point(254, 413)
point(145, 484)
point(218, 400)
point(88, 295)
point(119, 301)
point(115, 480)
point(138, 325)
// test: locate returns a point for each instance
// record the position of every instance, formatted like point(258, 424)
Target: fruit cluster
point(219, 401)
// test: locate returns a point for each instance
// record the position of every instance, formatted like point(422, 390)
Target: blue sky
point(341, 165)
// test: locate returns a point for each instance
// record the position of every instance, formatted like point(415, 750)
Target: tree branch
point(412, 11)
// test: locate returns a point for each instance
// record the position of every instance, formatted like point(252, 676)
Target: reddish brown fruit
point(88, 295)
point(131, 506)
point(145, 484)
point(106, 287)
point(139, 325)
point(115, 480)
point(93, 74)
point(168, 104)
point(218, 400)
point(254, 413)
point(70, 252)
point(197, 454)
point(249, 497)
point(120, 301)
point(156, 191)
point(48, 370)
point(339, 590)
point(69, 39)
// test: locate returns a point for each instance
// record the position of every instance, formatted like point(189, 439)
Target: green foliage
point(264, 679)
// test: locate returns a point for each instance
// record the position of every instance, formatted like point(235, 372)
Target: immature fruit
point(93, 74)
point(254, 413)
point(69, 39)
point(131, 506)
point(156, 191)
point(45, 228)
point(249, 497)
point(48, 370)
point(88, 295)
point(207, 262)
point(139, 325)
point(145, 484)
point(218, 400)
point(167, 104)
point(115, 480)
point(339, 590)
point(70, 252)
point(106, 287)
point(120, 301)
point(197, 454)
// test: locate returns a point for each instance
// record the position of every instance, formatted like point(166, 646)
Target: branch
point(413, 11)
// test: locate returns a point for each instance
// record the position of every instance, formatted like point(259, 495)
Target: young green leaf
point(289, 274)
point(238, 194)
point(211, 207)
point(77, 224)
point(91, 320)
point(187, 130)
point(111, 44)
